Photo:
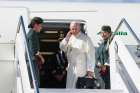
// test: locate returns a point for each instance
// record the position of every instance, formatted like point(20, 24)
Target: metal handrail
point(125, 74)
point(21, 24)
point(130, 29)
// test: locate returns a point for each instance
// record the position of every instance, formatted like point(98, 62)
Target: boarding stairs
point(124, 67)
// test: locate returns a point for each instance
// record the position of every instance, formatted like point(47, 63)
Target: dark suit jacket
point(33, 41)
point(102, 54)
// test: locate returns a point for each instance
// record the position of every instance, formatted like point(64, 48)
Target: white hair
point(74, 23)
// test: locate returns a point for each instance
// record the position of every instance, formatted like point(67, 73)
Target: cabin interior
point(52, 33)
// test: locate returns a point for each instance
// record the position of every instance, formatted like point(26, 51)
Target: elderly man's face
point(75, 28)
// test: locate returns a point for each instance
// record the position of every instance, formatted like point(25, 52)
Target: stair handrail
point(28, 51)
point(123, 20)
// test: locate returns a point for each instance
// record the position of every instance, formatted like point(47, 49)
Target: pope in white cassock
point(80, 54)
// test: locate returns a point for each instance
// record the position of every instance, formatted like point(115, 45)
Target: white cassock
point(81, 57)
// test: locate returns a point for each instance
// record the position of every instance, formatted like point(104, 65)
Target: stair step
point(78, 91)
point(47, 53)
point(49, 40)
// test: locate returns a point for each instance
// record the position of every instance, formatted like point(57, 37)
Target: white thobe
point(81, 57)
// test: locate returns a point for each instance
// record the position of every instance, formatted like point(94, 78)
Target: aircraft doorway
point(53, 75)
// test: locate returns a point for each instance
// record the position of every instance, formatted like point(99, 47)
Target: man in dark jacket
point(103, 56)
point(33, 40)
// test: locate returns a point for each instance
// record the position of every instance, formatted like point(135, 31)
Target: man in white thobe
point(80, 54)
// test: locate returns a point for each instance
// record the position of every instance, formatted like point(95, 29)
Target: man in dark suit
point(103, 55)
point(33, 40)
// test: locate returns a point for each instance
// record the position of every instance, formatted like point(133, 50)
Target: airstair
point(124, 60)
point(124, 64)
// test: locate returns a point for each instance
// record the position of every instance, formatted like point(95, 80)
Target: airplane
point(123, 49)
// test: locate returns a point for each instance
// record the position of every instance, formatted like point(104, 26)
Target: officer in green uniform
point(103, 56)
point(33, 41)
